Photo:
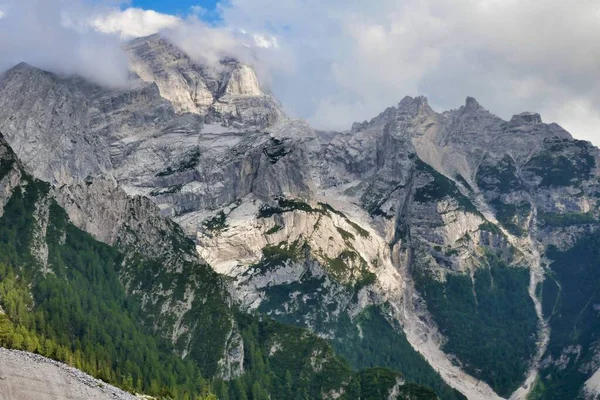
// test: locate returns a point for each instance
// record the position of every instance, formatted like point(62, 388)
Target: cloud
point(134, 22)
point(85, 37)
point(49, 34)
point(205, 43)
point(351, 60)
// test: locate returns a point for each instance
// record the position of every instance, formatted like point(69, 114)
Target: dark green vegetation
point(372, 201)
point(216, 223)
point(464, 182)
point(489, 227)
point(276, 255)
point(287, 363)
point(375, 384)
point(5, 166)
point(349, 266)
point(189, 162)
point(440, 188)
point(274, 229)
point(501, 177)
point(285, 205)
point(168, 190)
point(275, 150)
point(490, 321)
point(377, 343)
point(362, 232)
point(210, 312)
point(556, 220)
point(78, 312)
point(382, 345)
point(512, 216)
point(571, 307)
point(562, 162)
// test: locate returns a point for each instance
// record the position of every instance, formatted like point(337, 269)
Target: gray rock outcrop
point(26, 376)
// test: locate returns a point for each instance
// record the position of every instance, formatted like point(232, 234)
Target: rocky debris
point(25, 376)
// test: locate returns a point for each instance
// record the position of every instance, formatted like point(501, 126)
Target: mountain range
point(182, 236)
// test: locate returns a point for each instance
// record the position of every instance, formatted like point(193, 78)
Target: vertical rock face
point(242, 81)
point(228, 93)
point(189, 86)
point(431, 222)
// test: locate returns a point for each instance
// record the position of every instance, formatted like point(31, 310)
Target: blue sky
point(175, 7)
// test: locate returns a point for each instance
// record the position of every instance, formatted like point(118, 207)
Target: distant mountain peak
point(472, 105)
point(227, 93)
point(526, 118)
point(414, 105)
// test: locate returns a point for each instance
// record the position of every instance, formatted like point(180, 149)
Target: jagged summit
point(23, 69)
point(227, 93)
point(526, 118)
point(471, 105)
point(242, 81)
point(416, 105)
point(22, 66)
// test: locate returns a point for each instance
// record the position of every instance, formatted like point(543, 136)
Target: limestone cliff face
point(187, 85)
point(242, 81)
point(228, 94)
point(321, 226)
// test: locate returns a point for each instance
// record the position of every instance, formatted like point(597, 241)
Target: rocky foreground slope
point(26, 376)
point(454, 247)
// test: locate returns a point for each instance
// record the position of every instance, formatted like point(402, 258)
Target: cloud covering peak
point(49, 34)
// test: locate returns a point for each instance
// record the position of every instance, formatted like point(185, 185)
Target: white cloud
point(205, 43)
point(351, 60)
point(264, 41)
point(47, 34)
point(134, 22)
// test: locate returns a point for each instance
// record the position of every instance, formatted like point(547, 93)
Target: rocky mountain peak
point(408, 108)
point(471, 105)
point(526, 118)
point(226, 93)
point(414, 106)
point(22, 71)
point(22, 66)
point(242, 81)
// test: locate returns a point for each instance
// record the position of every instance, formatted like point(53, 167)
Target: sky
point(334, 62)
point(176, 7)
